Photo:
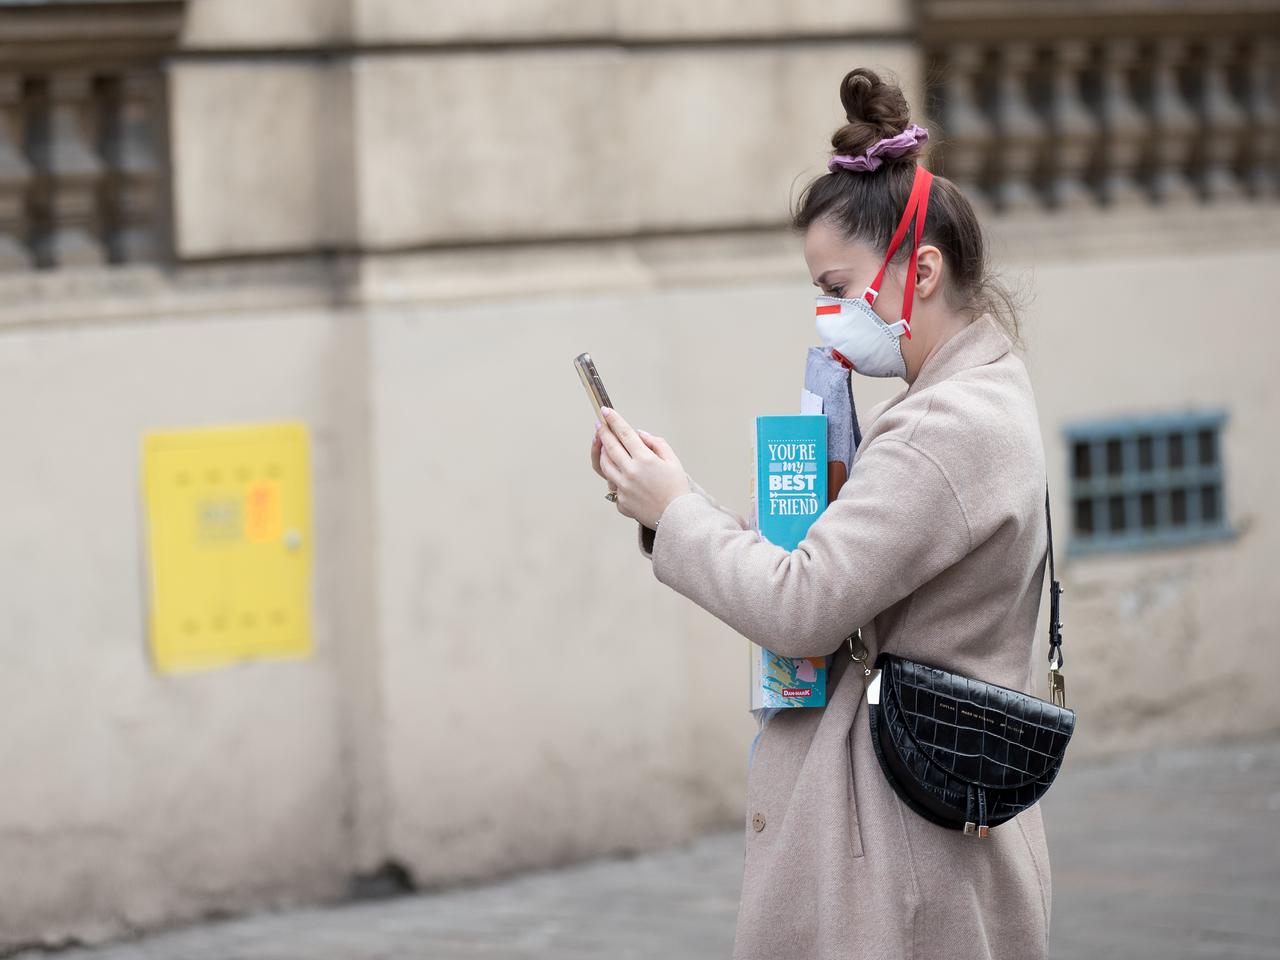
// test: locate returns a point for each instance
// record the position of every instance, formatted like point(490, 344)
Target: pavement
point(1169, 854)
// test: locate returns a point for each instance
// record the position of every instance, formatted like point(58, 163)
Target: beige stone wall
point(247, 24)
point(398, 151)
point(136, 798)
point(261, 157)
point(278, 24)
point(1174, 645)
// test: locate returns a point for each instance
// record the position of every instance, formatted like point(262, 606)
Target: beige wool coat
point(936, 547)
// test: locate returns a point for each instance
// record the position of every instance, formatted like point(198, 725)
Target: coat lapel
point(981, 342)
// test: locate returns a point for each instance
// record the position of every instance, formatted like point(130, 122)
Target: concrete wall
point(133, 798)
point(284, 24)
point(405, 150)
point(1174, 645)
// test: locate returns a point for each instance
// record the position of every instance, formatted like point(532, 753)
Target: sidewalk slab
point(1165, 854)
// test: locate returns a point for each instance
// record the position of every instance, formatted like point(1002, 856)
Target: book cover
point(788, 492)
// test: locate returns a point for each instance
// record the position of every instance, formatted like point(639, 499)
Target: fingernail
point(606, 410)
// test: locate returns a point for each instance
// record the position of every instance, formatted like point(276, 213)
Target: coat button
point(757, 821)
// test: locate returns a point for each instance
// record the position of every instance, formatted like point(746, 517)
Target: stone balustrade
point(1103, 109)
point(82, 146)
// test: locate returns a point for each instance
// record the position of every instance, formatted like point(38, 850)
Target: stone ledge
point(90, 31)
point(230, 26)
point(583, 266)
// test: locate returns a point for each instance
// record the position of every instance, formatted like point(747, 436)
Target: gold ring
point(612, 496)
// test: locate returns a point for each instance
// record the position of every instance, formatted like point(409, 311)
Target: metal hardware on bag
point(1057, 687)
point(860, 654)
point(1057, 683)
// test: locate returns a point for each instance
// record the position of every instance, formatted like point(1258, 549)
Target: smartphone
point(591, 380)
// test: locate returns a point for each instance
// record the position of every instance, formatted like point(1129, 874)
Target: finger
point(596, 447)
point(610, 469)
point(624, 432)
point(613, 447)
point(658, 445)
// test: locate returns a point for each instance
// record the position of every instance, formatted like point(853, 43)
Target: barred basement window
point(1146, 482)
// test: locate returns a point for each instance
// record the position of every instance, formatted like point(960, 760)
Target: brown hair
point(865, 206)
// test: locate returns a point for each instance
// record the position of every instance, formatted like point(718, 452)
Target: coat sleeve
point(646, 533)
point(896, 523)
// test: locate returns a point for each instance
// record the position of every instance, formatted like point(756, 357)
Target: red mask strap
point(922, 208)
point(917, 201)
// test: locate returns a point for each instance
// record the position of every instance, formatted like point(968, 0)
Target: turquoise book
point(788, 492)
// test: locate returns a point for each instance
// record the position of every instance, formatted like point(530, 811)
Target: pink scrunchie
point(894, 146)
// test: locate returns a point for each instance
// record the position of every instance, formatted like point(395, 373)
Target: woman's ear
point(928, 270)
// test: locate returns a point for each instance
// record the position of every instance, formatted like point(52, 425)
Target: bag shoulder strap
point(1055, 593)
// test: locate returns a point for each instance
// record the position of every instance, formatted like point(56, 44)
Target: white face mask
point(851, 329)
point(858, 338)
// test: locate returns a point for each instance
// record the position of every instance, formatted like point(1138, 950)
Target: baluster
point(1019, 130)
point(1260, 151)
point(1173, 125)
point(1124, 126)
point(968, 131)
point(1223, 122)
point(63, 156)
point(15, 177)
point(131, 152)
point(1073, 129)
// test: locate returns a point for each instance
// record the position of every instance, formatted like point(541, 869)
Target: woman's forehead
point(826, 250)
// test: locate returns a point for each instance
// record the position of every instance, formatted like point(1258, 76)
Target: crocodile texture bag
point(962, 752)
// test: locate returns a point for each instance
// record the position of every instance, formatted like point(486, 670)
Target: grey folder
point(827, 378)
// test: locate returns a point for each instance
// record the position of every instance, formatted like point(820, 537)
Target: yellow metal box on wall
point(229, 540)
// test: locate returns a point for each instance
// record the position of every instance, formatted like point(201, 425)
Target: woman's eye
point(837, 291)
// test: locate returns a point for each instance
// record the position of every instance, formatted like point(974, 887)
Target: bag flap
point(979, 732)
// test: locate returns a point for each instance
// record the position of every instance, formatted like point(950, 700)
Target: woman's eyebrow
point(821, 277)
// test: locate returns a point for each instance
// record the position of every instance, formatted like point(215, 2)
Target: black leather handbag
point(962, 752)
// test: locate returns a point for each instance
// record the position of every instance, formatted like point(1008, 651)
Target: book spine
point(756, 697)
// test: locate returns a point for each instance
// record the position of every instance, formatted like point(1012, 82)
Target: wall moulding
point(93, 32)
point(995, 20)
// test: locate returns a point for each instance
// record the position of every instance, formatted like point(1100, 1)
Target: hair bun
point(875, 109)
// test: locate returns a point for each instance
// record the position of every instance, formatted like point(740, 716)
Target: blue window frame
point(1140, 482)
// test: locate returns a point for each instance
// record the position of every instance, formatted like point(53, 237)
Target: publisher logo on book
point(796, 691)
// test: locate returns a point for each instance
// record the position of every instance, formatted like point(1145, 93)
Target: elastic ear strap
point(921, 210)
point(919, 186)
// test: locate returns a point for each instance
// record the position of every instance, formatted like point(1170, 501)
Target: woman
point(935, 546)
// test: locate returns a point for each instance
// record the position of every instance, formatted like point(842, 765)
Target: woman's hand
point(597, 447)
point(642, 468)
